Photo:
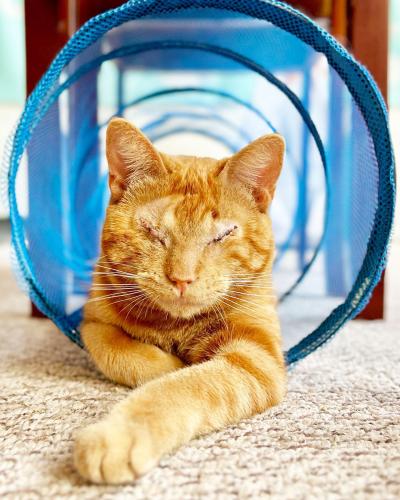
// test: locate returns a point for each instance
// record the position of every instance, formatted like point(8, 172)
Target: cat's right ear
point(130, 156)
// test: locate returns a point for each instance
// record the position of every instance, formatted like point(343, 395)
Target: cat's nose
point(181, 283)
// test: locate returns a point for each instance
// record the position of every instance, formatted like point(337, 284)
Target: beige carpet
point(336, 436)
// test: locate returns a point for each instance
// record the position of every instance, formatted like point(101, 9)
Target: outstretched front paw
point(114, 451)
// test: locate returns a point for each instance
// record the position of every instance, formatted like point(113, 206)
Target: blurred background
point(26, 49)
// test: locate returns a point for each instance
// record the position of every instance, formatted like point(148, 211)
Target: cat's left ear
point(258, 166)
point(130, 155)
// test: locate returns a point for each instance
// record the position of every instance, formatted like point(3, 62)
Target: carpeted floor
point(336, 436)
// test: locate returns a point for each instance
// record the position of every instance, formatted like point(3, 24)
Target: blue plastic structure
point(206, 77)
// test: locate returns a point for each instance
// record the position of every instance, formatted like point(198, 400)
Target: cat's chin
point(181, 308)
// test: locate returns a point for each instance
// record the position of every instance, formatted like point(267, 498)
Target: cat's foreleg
point(242, 379)
point(123, 359)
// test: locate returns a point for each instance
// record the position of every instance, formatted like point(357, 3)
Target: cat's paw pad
point(113, 452)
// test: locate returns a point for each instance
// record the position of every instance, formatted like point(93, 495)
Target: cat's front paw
point(114, 451)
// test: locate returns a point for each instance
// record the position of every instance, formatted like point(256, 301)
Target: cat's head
point(188, 230)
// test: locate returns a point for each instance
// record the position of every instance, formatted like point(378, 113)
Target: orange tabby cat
point(181, 307)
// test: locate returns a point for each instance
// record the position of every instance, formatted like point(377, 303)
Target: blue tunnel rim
point(135, 49)
point(359, 82)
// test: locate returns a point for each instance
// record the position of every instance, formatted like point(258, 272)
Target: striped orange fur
point(182, 307)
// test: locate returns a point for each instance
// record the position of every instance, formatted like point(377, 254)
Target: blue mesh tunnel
point(206, 77)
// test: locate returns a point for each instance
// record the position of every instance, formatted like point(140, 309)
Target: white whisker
point(111, 296)
point(116, 286)
point(132, 304)
point(118, 273)
point(231, 305)
point(113, 271)
point(220, 313)
point(261, 295)
point(242, 300)
point(112, 302)
point(253, 285)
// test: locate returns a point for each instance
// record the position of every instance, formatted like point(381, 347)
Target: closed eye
point(153, 231)
point(221, 236)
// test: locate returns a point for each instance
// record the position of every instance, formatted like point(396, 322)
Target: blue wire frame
point(308, 122)
point(358, 80)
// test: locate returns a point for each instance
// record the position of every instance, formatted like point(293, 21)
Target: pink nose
point(181, 284)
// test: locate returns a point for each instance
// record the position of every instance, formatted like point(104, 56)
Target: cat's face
point(187, 230)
